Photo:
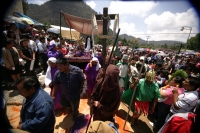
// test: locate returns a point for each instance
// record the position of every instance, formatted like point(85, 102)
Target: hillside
point(141, 41)
point(50, 11)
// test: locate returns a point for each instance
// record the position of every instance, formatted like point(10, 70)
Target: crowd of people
point(166, 87)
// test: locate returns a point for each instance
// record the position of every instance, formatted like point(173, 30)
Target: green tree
point(47, 24)
point(194, 42)
point(124, 42)
point(25, 6)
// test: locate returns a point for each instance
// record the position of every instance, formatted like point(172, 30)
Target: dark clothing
point(37, 114)
point(18, 70)
point(108, 93)
point(73, 104)
point(163, 111)
point(15, 57)
point(71, 82)
point(43, 61)
point(27, 52)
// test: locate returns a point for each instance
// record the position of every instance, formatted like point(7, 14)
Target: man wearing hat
point(167, 63)
point(102, 127)
point(123, 72)
point(147, 90)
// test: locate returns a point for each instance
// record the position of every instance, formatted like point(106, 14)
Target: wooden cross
point(106, 17)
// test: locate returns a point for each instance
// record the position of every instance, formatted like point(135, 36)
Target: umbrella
point(34, 22)
point(189, 53)
point(53, 30)
point(38, 25)
point(17, 14)
point(197, 53)
point(20, 23)
point(13, 19)
point(161, 54)
point(28, 21)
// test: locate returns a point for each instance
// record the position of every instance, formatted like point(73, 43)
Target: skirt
point(18, 70)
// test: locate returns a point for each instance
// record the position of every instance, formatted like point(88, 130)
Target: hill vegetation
point(49, 12)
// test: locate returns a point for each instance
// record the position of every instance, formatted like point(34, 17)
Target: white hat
point(141, 57)
point(125, 57)
point(98, 64)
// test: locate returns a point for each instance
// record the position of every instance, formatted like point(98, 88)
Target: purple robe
point(91, 74)
point(54, 54)
point(100, 60)
point(57, 104)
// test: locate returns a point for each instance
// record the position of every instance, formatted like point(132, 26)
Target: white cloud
point(39, 2)
point(129, 29)
point(138, 8)
point(92, 4)
point(168, 22)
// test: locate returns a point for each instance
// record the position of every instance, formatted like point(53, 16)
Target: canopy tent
point(81, 25)
point(74, 35)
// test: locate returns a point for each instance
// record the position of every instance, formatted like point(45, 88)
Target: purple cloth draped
point(81, 123)
point(57, 105)
point(55, 54)
point(91, 74)
point(100, 60)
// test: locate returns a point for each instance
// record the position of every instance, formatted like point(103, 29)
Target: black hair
point(29, 82)
point(9, 34)
point(138, 65)
point(159, 65)
point(9, 41)
point(42, 38)
point(194, 81)
point(178, 80)
point(165, 73)
point(63, 61)
point(55, 37)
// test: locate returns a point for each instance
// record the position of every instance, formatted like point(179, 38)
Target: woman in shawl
point(106, 96)
point(51, 70)
point(53, 52)
point(91, 71)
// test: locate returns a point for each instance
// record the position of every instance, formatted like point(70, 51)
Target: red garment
point(64, 51)
point(142, 106)
point(179, 124)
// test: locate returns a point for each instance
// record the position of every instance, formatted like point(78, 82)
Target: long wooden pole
point(60, 30)
point(131, 103)
point(105, 32)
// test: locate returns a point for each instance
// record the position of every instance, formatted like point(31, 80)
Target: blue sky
point(156, 19)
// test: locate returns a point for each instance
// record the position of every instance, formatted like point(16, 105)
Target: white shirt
point(123, 70)
point(134, 73)
point(42, 47)
point(186, 103)
point(32, 45)
point(53, 42)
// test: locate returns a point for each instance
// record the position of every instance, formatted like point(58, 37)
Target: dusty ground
point(64, 122)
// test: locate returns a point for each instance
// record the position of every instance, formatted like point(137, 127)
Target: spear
point(135, 88)
point(105, 71)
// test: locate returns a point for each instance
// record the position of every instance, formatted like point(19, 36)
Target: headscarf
point(111, 80)
point(48, 78)
point(51, 46)
point(98, 65)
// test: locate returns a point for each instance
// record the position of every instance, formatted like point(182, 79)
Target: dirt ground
point(64, 122)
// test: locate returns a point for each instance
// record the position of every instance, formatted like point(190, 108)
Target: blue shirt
point(37, 114)
point(71, 82)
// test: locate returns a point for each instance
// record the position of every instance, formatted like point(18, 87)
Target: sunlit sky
point(160, 20)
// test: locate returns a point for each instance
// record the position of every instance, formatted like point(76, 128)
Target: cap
point(125, 57)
